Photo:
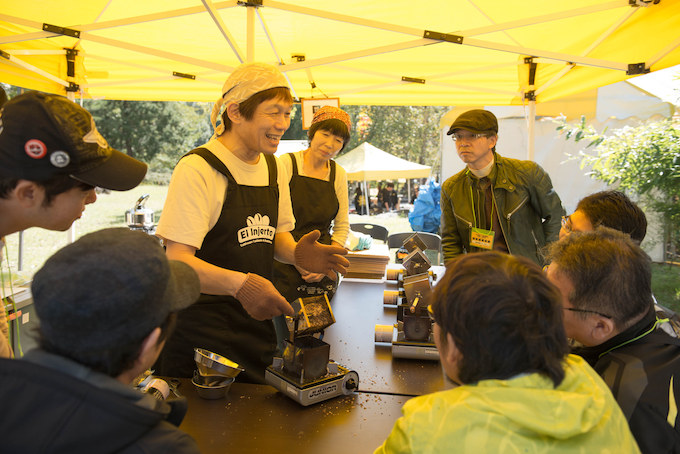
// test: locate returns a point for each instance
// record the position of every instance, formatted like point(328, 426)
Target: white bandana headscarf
point(242, 83)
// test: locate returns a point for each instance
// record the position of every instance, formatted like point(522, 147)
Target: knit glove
point(320, 258)
point(261, 299)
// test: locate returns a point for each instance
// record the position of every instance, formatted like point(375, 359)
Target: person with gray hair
point(605, 280)
point(106, 304)
point(495, 203)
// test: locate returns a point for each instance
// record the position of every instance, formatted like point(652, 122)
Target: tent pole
point(408, 190)
point(531, 130)
point(366, 197)
point(530, 96)
point(250, 34)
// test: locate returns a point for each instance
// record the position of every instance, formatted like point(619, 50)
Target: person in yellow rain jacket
point(498, 329)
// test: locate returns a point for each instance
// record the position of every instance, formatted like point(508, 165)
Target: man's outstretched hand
point(320, 258)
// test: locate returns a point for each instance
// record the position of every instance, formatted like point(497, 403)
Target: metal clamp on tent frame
point(429, 34)
point(72, 87)
point(643, 3)
point(61, 30)
point(184, 75)
point(636, 68)
point(5, 55)
point(412, 79)
point(530, 95)
point(254, 3)
point(71, 62)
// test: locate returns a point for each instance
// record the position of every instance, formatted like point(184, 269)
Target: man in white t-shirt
point(228, 215)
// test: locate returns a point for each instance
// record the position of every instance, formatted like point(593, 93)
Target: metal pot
point(140, 217)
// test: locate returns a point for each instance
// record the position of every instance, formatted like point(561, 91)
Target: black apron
point(315, 206)
point(241, 240)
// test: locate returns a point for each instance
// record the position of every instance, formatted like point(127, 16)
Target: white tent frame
point(425, 38)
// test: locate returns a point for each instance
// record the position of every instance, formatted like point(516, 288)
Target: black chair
point(431, 240)
point(377, 232)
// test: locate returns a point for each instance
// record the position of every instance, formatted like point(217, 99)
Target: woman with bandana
point(318, 192)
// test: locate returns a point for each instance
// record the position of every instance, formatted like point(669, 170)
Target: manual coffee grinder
point(412, 336)
point(305, 372)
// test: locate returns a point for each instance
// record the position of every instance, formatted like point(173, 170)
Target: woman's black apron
point(315, 206)
point(241, 240)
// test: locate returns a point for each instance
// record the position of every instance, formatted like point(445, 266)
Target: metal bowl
point(215, 390)
point(210, 363)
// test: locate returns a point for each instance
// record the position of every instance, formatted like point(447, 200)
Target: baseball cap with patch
point(477, 121)
point(44, 135)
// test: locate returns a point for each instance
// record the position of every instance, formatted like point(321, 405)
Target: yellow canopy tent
point(382, 52)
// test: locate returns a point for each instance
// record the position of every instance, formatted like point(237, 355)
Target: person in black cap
point(106, 304)
point(495, 203)
point(51, 159)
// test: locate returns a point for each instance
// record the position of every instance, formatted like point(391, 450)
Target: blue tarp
point(426, 210)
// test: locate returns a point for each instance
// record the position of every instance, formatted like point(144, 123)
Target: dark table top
point(358, 307)
point(259, 419)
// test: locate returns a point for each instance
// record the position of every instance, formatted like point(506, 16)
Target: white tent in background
point(291, 146)
point(367, 162)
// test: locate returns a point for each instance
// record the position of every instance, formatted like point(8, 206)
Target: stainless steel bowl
point(215, 390)
point(210, 363)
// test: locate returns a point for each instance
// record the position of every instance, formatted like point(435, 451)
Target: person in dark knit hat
point(51, 159)
point(495, 203)
point(106, 304)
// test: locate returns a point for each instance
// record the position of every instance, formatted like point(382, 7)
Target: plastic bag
point(426, 210)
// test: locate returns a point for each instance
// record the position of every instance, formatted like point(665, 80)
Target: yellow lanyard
point(474, 217)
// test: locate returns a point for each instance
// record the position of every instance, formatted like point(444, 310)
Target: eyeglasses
point(587, 311)
point(430, 313)
point(566, 224)
point(458, 136)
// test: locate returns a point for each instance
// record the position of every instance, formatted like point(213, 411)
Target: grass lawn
point(109, 211)
point(666, 285)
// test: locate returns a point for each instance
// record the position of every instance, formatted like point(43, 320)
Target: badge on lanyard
point(481, 238)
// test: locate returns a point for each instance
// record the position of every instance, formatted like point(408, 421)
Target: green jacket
point(530, 210)
point(524, 414)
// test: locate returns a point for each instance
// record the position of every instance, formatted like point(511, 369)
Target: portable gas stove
point(305, 373)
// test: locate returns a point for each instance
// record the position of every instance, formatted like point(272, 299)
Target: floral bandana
point(329, 112)
point(245, 81)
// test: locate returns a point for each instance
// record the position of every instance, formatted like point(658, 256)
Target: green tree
point(409, 132)
point(643, 160)
point(158, 133)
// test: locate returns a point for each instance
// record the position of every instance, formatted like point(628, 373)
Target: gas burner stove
point(305, 372)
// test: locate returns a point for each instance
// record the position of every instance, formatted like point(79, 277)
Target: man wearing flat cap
point(51, 159)
point(228, 214)
point(106, 304)
point(495, 203)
